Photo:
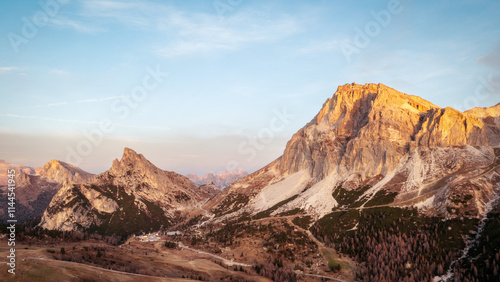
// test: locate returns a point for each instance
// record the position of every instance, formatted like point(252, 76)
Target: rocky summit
point(132, 196)
point(61, 172)
point(381, 147)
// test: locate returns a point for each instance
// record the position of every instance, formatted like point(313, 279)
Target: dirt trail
point(228, 262)
point(327, 253)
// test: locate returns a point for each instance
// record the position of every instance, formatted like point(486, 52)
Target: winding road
point(207, 214)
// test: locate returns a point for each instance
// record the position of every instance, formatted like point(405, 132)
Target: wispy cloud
point(49, 119)
point(109, 5)
point(491, 59)
point(134, 14)
point(202, 33)
point(8, 69)
point(143, 127)
point(186, 34)
point(58, 104)
point(83, 124)
point(94, 122)
point(322, 46)
point(76, 25)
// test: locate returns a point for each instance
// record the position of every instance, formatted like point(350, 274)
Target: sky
point(199, 86)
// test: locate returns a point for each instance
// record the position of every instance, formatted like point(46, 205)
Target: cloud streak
point(7, 69)
point(187, 34)
point(76, 25)
point(86, 122)
point(202, 33)
point(49, 119)
point(86, 101)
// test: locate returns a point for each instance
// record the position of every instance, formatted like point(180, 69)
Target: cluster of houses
point(155, 237)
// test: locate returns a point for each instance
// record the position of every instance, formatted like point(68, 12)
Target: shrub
point(334, 265)
point(170, 245)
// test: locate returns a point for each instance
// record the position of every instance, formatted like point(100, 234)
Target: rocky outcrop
point(372, 136)
point(131, 197)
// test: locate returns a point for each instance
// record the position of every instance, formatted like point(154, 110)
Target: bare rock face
point(367, 129)
point(35, 187)
point(378, 141)
point(61, 172)
point(132, 196)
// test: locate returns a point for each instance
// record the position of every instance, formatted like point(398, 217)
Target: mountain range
point(403, 188)
point(221, 180)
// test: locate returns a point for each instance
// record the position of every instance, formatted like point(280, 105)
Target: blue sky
point(229, 71)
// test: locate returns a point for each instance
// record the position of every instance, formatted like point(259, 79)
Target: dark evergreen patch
point(303, 222)
point(394, 243)
point(128, 218)
point(231, 204)
point(382, 198)
point(483, 260)
point(349, 197)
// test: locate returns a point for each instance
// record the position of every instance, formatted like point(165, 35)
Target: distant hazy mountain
point(221, 180)
point(132, 196)
point(4, 166)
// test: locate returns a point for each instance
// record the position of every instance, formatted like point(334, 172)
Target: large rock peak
point(131, 155)
point(374, 136)
point(374, 126)
point(131, 161)
point(134, 172)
